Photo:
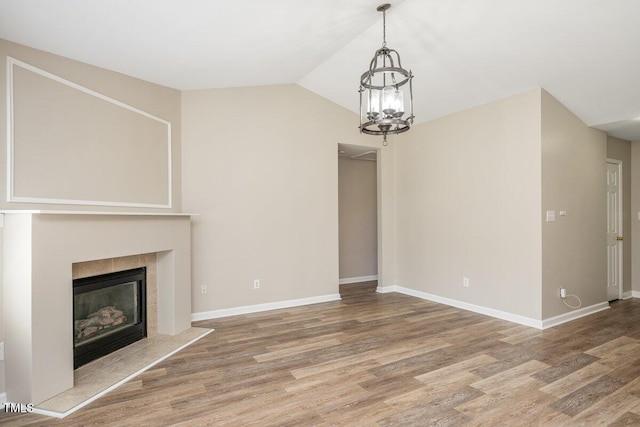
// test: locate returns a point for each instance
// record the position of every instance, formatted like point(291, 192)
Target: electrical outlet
point(563, 293)
point(256, 284)
point(465, 282)
point(551, 216)
point(203, 289)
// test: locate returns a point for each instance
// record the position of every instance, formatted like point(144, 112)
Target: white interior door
point(614, 230)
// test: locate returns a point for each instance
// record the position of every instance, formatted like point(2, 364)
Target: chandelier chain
point(384, 28)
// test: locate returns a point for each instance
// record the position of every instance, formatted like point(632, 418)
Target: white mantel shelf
point(58, 212)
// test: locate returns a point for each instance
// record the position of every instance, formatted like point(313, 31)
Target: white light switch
point(563, 213)
point(551, 216)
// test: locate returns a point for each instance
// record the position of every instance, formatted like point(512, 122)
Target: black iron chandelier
point(382, 108)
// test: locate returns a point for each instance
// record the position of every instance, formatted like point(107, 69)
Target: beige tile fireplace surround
point(45, 250)
point(84, 269)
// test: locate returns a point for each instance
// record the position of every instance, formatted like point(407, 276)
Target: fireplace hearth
point(109, 312)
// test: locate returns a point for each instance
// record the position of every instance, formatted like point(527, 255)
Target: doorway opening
point(358, 219)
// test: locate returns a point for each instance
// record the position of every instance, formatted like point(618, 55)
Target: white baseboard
point(349, 280)
point(635, 294)
point(575, 314)
point(515, 318)
point(627, 295)
point(3, 398)
point(247, 309)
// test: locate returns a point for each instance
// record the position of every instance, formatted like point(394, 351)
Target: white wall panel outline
point(123, 130)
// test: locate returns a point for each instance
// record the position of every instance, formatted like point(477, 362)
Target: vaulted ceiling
point(463, 52)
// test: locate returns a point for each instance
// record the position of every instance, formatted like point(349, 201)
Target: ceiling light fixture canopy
point(382, 108)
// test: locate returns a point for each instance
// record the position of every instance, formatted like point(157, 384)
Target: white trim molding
point(3, 398)
point(515, 318)
point(627, 295)
point(248, 309)
point(498, 314)
point(349, 280)
point(386, 289)
point(635, 294)
point(11, 197)
point(573, 315)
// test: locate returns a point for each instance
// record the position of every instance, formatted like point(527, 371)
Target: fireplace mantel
point(60, 212)
point(40, 247)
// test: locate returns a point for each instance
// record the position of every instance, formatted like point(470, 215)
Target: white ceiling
point(462, 52)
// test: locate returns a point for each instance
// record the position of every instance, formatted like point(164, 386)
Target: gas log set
point(104, 318)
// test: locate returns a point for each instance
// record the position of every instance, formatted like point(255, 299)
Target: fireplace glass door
point(108, 313)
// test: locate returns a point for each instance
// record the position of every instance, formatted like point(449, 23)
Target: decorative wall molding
point(349, 280)
point(34, 198)
point(247, 309)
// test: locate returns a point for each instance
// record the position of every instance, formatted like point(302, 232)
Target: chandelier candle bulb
point(373, 109)
point(399, 102)
point(389, 101)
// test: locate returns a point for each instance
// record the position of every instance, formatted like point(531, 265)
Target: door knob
point(619, 238)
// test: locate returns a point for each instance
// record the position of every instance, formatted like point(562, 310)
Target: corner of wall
point(573, 245)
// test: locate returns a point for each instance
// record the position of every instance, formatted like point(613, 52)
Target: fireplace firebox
point(109, 312)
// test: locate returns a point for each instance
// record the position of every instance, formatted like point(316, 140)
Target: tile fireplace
point(40, 248)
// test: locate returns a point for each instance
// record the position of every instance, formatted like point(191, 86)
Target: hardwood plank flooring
point(384, 360)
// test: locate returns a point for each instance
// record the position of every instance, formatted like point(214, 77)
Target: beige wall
point(260, 167)
point(471, 197)
point(468, 191)
point(386, 215)
point(357, 191)
point(635, 222)
point(573, 180)
point(82, 137)
point(620, 149)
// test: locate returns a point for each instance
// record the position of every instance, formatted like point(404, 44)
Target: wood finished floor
point(385, 360)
